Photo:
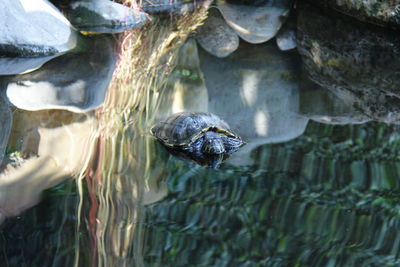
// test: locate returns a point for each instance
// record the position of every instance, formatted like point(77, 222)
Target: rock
point(382, 12)
point(216, 37)
point(286, 37)
point(247, 2)
point(256, 24)
point(168, 7)
point(33, 28)
point(104, 16)
point(75, 81)
point(21, 65)
point(286, 40)
point(59, 144)
point(255, 91)
point(360, 65)
point(6, 123)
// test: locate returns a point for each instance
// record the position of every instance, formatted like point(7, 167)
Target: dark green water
point(327, 198)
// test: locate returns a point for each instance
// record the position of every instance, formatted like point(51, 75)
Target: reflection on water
point(328, 198)
point(316, 185)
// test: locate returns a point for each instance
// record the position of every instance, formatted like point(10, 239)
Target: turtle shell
point(182, 129)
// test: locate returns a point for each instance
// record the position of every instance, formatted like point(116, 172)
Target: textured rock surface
point(216, 37)
point(33, 28)
point(382, 12)
point(75, 81)
point(256, 24)
point(360, 65)
point(104, 16)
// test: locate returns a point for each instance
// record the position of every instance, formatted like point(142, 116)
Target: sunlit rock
point(323, 106)
point(5, 128)
point(103, 16)
point(185, 90)
point(360, 65)
point(255, 90)
point(381, 12)
point(256, 24)
point(216, 37)
point(56, 144)
point(33, 28)
point(76, 81)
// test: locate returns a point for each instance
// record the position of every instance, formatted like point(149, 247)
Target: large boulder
point(361, 65)
point(381, 12)
point(216, 37)
point(169, 7)
point(33, 28)
point(104, 16)
point(256, 24)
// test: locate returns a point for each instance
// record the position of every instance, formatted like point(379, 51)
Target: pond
point(317, 183)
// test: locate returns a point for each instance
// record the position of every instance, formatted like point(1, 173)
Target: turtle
point(201, 136)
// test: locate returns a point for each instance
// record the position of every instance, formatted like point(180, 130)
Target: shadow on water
point(314, 186)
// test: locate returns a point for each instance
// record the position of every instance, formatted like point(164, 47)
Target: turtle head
point(213, 143)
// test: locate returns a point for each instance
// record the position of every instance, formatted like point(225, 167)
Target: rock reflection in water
point(323, 106)
point(361, 65)
point(76, 81)
point(255, 90)
point(185, 89)
point(6, 123)
point(54, 145)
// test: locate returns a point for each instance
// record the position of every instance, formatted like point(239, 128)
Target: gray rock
point(256, 24)
point(216, 37)
point(361, 65)
point(168, 7)
point(19, 65)
point(381, 12)
point(5, 129)
point(286, 38)
point(32, 28)
point(76, 81)
point(104, 16)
